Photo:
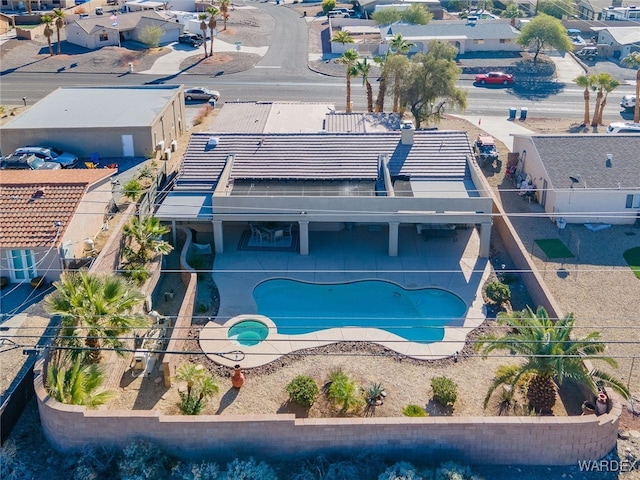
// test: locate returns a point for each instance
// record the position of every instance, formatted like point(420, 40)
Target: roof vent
point(609, 162)
point(213, 142)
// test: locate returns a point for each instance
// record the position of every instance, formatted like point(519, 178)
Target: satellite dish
point(575, 179)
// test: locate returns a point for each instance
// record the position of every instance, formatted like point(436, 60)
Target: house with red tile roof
point(47, 218)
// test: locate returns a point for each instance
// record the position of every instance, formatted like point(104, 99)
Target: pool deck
point(343, 256)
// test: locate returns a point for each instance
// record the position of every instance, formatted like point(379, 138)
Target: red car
point(495, 78)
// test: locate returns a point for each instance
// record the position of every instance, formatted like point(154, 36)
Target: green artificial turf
point(554, 248)
point(632, 256)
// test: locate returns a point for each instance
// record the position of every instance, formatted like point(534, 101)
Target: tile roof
point(323, 156)
point(361, 122)
point(569, 155)
point(31, 202)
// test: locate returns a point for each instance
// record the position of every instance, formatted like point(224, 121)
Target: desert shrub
point(375, 394)
point(323, 467)
point(145, 172)
point(202, 308)
point(414, 411)
point(151, 35)
point(444, 391)
point(328, 5)
point(80, 10)
point(142, 461)
point(132, 190)
point(196, 471)
point(344, 391)
point(403, 471)
point(94, 463)
point(202, 114)
point(303, 390)
point(11, 465)
point(249, 470)
point(453, 471)
point(135, 272)
point(498, 292)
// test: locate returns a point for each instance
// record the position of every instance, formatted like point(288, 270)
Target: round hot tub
point(248, 332)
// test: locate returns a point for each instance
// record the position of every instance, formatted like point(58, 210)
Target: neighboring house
point(36, 5)
point(369, 6)
point(481, 36)
point(591, 9)
point(46, 216)
point(115, 122)
point(618, 42)
point(583, 178)
point(102, 31)
point(394, 182)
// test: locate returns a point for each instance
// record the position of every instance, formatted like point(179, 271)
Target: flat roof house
point(46, 216)
point(129, 121)
point(583, 178)
point(331, 181)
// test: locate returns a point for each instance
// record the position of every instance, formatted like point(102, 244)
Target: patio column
point(393, 239)
point(485, 239)
point(304, 237)
point(218, 237)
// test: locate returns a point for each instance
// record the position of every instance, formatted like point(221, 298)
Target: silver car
point(200, 93)
point(50, 154)
point(26, 162)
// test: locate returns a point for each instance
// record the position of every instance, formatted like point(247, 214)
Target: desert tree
point(542, 32)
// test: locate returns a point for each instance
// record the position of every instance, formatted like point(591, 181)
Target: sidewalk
point(499, 127)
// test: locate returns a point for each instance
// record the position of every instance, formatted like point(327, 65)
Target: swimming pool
point(417, 315)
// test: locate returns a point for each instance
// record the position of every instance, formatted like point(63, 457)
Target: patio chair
point(257, 234)
point(287, 230)
point(277, 235)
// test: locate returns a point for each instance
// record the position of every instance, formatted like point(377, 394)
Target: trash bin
point(512, 113)
point(523, 113)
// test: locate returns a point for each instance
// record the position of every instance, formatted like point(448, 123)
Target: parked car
point(494, 78)
point(485, 150)
point(624, 127)
point(50, 154)
point(193, 39)
point(628, 102)
point(26, 162)
point(337, 13)
point(588, 53)
point(200, 93)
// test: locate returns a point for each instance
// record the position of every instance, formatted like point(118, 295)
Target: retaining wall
point(472, 440)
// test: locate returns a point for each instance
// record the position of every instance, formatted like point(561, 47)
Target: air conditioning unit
point(160, 146)
point(167, 154)
point(174, 145)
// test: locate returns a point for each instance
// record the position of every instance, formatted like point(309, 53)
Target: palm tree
point(59, 16)
point(633, 61)
point(200, 387)
point(585, 82)
point(399, 45)
point(47, 21)
point(96, 308)
point(203, 26)
point(342, 37)
point(349, 58)
point(382, 86)
point(212, 12)
point(76, 384)
point(363, 69)
point(601, 82)
point(143, 238)
point(551, 355)
point(224, 9)
point(608, 87)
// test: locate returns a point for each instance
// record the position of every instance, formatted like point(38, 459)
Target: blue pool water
point(248, 332)
point(418, 315)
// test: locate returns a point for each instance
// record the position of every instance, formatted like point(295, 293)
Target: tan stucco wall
point(499, 440)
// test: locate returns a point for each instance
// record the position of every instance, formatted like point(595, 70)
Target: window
point(633, 201)
point(104, 37)
point(478, 41)
point(505, 40)
point(21, 265)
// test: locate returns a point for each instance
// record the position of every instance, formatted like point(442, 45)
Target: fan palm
point(363, 69)
point(342, 37)
point(47, 21)
point(144, 238)
point(203, 26)
point(59, 21)
point(551, 355)
point(212, 12)
point(399, 45)
point(98, 309)
point(349, 58)
point(602, 82)
point(200, 387)
point(608, 87)
point(76, 384)
point(585, 81)
point(224, 9)
point(382, 87)
point(633, 61)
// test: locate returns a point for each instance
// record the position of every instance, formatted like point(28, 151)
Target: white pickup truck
point(628, 102)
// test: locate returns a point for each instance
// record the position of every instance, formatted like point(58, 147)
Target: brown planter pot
point(37, 282)
point(237, 380)
point(4, 281)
